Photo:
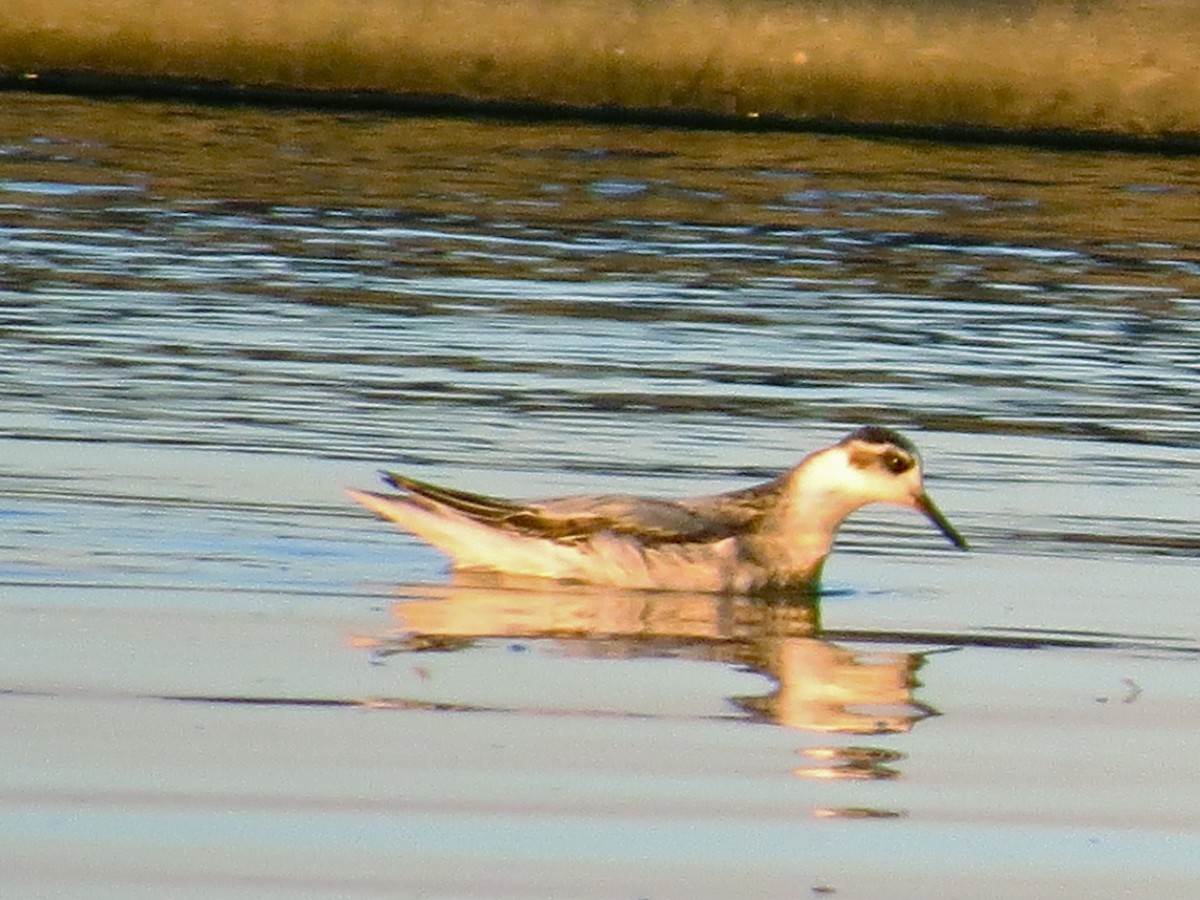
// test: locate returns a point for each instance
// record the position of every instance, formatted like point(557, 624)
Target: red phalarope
point(769, 537)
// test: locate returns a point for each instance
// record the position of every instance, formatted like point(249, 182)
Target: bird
point(769, 538)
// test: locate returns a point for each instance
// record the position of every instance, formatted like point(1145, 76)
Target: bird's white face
point(859, 471)
point(882, 473)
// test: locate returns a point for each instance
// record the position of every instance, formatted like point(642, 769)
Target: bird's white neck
point(820, 495)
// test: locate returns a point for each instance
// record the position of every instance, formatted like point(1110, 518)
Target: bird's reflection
point(819, 686)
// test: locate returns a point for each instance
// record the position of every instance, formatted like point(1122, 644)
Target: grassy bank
point(1112, 65)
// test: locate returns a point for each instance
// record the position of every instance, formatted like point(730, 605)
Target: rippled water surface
point(222, 679)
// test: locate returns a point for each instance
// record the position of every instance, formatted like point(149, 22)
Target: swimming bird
point(771, 537)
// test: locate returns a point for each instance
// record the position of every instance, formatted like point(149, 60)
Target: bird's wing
point(571, 519)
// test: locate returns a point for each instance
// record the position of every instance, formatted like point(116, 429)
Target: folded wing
point(575, 519)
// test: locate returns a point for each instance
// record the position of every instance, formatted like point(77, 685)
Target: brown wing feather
point(527, 519)
point(477, 506)
point(572, 519)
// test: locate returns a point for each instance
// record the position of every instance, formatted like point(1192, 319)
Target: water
point(219, 677)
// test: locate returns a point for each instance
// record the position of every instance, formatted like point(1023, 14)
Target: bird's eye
point(896, 463)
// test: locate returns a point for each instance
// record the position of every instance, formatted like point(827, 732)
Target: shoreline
point(227, 93)
point(1093, 74)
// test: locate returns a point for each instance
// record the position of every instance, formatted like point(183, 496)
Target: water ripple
point(598, 301)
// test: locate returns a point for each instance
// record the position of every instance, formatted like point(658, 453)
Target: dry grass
point(1114, 65)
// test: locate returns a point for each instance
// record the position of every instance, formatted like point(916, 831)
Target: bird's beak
point(927, 506)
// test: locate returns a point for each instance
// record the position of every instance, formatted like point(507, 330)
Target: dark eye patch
point(896, 462)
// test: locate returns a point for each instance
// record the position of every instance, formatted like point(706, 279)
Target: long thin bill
point(927, 506)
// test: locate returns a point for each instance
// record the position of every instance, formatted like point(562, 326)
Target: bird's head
point(874, 465)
